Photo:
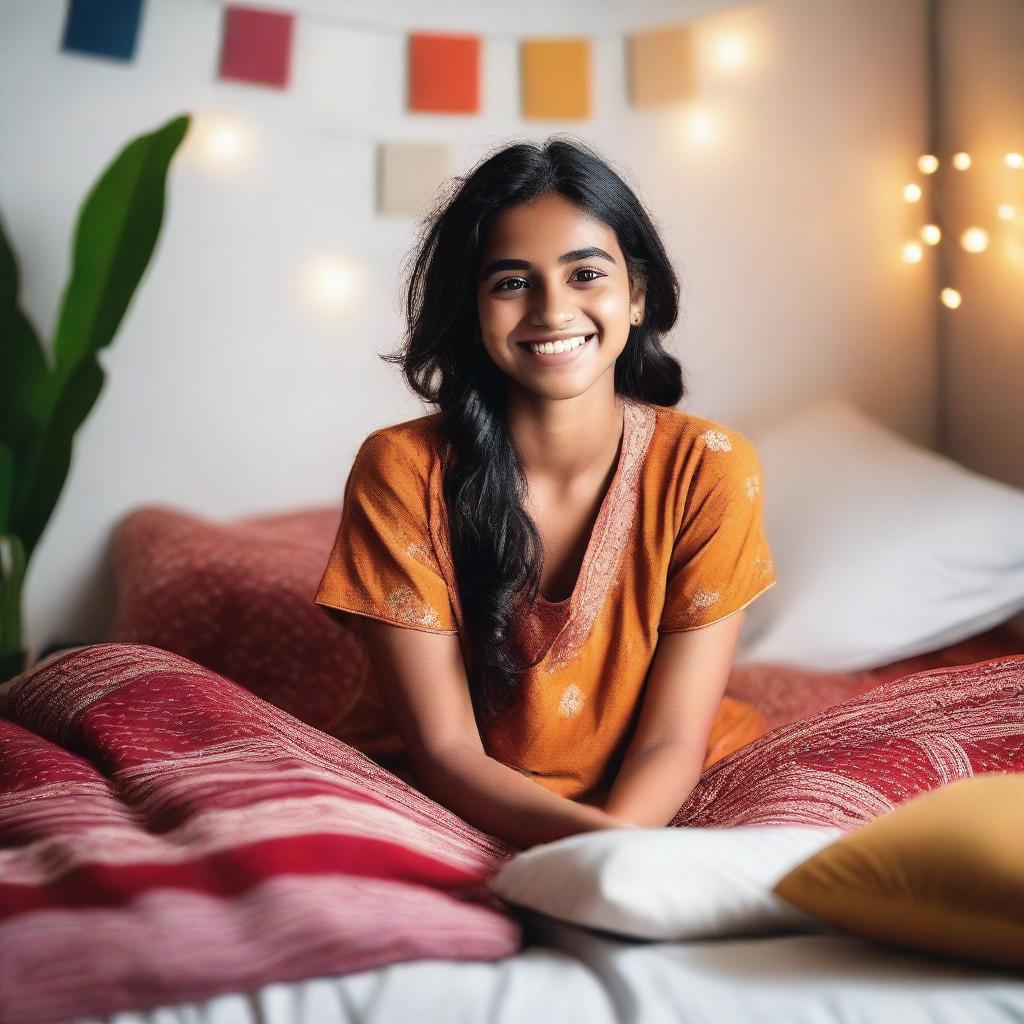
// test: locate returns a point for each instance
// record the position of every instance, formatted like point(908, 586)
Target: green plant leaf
point(52, 451)
point(6, 485)
point(23, 369)
point(12, 578)
point(114, 239)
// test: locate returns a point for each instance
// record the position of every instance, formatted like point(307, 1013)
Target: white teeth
point(567, 345)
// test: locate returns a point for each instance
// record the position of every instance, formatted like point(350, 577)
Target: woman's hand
point(601, 819)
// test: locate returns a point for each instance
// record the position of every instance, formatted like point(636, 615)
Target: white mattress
point(575, 975)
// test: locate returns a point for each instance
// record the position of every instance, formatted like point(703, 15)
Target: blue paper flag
point(107, 28)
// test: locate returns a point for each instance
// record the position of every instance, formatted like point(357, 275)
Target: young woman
point(549, 572)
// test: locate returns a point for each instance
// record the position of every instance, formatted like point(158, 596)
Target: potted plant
point(41, 406)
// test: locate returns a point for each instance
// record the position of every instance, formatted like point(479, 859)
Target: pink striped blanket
point(165, 836)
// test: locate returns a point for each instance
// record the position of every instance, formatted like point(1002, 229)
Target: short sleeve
point(383, 564)
point(720, 558)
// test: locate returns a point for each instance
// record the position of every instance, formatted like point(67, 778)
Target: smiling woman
point(516, 560)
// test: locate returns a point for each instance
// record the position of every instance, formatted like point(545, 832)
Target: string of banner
point(444, 68)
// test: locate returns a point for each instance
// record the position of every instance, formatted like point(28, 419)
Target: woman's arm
point(683, 692)
point(422, 676)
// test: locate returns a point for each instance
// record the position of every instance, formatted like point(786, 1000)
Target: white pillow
point(666, 883)
point(883, 549)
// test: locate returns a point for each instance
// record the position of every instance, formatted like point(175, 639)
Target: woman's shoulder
point(691, 434)
point(415, 436)
point(702, 454)
point(404, 448)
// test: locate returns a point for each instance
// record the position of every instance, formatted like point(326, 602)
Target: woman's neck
point(564, 441)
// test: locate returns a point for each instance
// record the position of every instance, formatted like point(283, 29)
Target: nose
point(551, 309)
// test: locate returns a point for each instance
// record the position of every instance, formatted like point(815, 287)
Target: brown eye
point(499, 287)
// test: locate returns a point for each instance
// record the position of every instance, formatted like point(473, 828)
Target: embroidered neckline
point(603, 555)
point(542, 604)
point(608, 539)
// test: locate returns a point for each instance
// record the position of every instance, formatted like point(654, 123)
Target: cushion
point(942, 873)
point(783, 693)
point(845, 765)
point(884, 549)
point(665, 883)
point(237, 598)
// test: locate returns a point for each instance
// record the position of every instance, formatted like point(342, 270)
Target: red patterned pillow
point(238, 598)
point(847, 764)
point(784, 693)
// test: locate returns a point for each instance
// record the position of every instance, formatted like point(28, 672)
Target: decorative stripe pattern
point(166, 836)
point(611, 531)
point(848, 763)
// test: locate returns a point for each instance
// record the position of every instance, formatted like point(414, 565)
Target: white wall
point(224, 397)
point(982, 96)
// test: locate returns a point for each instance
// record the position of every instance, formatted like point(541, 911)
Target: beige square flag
point(409, 175)
point(662, 68)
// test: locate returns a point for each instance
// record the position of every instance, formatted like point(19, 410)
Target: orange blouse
point(678, 544)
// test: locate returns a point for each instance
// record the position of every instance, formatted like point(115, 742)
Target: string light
point(326, 284)
point(731, 53)
point(1015, 161)
point(1006, 211)
point(950, 298)
point(701, 127)
point(912, 253)
point(974, 239)
point(220, 143)
point(912, 193)
point(961, 161)
point(930, 234)
point(928, 164)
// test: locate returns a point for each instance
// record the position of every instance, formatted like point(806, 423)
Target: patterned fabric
point(849, 763)
point(234, 597)
point(166, 836)
point(784, 693)
point(678, 543)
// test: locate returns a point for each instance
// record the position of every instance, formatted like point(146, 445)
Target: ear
point(637, 300)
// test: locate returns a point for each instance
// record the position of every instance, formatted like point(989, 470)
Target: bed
point(219, 850)
point(221, 856)
point(574, 975)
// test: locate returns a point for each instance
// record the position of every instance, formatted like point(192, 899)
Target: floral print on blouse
point(678, 544)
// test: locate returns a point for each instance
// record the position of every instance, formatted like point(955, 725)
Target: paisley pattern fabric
point(846, 764)
point(678, 543)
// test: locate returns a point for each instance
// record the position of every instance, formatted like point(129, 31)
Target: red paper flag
point(257, 46)
point(444, 73)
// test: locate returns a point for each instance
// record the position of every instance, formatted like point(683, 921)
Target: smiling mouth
point(559, 348)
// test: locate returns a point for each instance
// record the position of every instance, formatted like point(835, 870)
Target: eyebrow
point(590, 252)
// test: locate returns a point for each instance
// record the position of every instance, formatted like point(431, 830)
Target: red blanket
point(165, 835)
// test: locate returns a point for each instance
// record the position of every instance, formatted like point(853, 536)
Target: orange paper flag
point(556, 78)
point(444, 73)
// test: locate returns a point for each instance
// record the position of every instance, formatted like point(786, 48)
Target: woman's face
point(549, 270)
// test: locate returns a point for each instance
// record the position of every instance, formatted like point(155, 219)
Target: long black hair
point(496, 549)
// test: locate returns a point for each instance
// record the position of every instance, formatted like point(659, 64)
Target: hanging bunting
point(256, 46)
point(443, 68)
point(409, 175)
point(444, 73)
point(102, 28)
point(662, 68)
point(555, 78)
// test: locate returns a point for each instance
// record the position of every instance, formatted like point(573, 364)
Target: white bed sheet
point(570, 974)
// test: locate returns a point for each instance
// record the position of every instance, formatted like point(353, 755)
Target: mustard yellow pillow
point(942, 873)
